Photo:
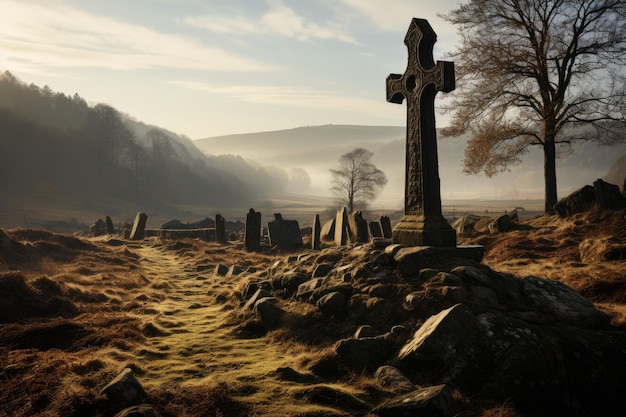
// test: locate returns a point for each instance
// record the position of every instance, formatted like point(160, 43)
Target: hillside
point(62, 158)
point(316, 149)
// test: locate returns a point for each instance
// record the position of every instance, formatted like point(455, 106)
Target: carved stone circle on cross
point(423, 223)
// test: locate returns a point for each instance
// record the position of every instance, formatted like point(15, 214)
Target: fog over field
point(316, 149)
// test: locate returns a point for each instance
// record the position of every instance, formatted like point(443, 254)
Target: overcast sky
point(213, 67)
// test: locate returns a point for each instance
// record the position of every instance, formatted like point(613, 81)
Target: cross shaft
point(419, 85)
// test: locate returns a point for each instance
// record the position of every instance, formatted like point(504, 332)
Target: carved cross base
point(418, 230)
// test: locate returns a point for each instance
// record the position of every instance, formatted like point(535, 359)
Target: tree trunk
point(549, 172)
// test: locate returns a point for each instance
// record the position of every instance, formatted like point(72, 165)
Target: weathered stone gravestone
point(220, 229)
point(139, 227)
point(608, 196)
point(252, 238)
point(328, 231)
point(423, 223)
point(109, 225)
point(284, 233)
point(98, 228)
point(316, 233)
point(358, 228)
point(375, 230)
point(341, 227)
point(385, 224)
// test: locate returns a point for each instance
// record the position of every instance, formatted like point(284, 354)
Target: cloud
point(395, 16)
point(38, 35)
point(280, 21)
point(294, 96)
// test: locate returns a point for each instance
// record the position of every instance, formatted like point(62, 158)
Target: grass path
point(189, 343)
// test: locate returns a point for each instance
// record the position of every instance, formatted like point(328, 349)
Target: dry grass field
point(74, 312)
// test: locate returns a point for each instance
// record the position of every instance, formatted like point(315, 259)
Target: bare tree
point(357, 180)
point(532, 72)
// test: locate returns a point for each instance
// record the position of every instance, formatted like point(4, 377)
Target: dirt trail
point(189, 344)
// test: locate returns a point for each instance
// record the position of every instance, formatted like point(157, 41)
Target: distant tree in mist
point(299, 179)
point(357, 181)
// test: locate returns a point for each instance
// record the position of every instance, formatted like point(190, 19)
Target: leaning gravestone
point(328, 231)
point(284, 233)
point(139, 227)
point(316, 233)
point(358, 228)
point(385, 224)
point(252, 239)
point(423, 223)
point(341, 227)
point(220, 229)
point(109, 225)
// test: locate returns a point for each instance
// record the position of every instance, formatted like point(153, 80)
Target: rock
point(141, 410)
point(577, 202)
point(411, 260)
point(250, 287)
point(391, 250)
point(522, 362)
point(322, 270)
point(327, 366)
point(290, 281)
point(434, 401)
point(259, 294)
point(465, 225)
point(595, 364)
point(501, 224)
point(363, 354)
point(363, 331)
point(603, 249)
point(124, 389)
point(456, 294)
point(412, 301)
point(382, 290)
point(438, 344)
point(474, 274)
point(479, 294)
point(305, 290)
point(268, 312)
point(287, 373)
point(561, 303)
point(332, 304)
point(220, 270)
point(393, 379)
point(329, 287)
point(608, 196)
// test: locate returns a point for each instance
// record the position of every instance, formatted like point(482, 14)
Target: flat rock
point(434, 401)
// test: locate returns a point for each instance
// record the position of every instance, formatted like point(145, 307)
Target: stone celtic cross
point(423, 223)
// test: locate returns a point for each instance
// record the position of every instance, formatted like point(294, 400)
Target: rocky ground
point(193, 328)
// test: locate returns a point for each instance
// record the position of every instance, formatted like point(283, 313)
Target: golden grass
point(148, 306)
point(157, 307)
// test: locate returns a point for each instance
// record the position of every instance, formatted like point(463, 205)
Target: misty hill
point(58, 151)
point(316, 149)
